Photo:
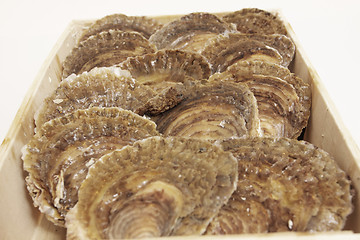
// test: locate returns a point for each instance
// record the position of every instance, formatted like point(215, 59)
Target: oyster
point(224, 50)
point(190, 32)
point(144, 25)
point(283, 44)
point(285, 185)
point(170, 73)
point(213, 111)
point(101, 87)
point(253, 20)
point(58, 156)
point(247, 69)
point(105, 49)
point(157, 187)
point(280, 111)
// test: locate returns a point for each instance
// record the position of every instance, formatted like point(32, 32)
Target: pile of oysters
point(184, 128)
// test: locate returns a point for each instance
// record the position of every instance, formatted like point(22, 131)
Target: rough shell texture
point(105, 49)
point(101, 87)
point(286, 185)
point(224, 50)
point(190, 32)
point(163, 186)
point(283, 99)
point(59, 154)
point(247, 69)
point(253, 20)
point(174, 64)
point(141, 24)
point(213, 111)
point(283, 44)
point(170, 73)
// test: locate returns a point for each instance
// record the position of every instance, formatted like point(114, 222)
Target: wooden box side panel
point(326, 129)
point(17, 209)
point(325, 132)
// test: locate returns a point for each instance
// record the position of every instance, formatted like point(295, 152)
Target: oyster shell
point(281, 112)
point(240, 215)
point(254, 20)
point(224, 50)
point(141, 24)
point(213, 111)
point(247, 69)
point(295, 185)
point(101, 87)
point(157, 187)
point(169, 73)
point(190, 32)
point(105, 49)
point(58, 156)
point(283, 44)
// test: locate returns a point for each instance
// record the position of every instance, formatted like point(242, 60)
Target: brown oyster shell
point(170, 73)
point(157, 187)
point(254, 20)
point(213, 111)
point(281, 113)
point(101, 87)
point(240, 216)
point(190, 32)
point(295, 185)
point(247, 69)
point(224, 50)
point(105, 49)
point(141, 24)
point(283, 44)
point(58, 156)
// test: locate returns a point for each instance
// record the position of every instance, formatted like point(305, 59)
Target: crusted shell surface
point(283, 44)
point(213, 111)
point(170, 73)
point(58, 156)
point(284, 185)
point(175, 65)
point(105, 49)
point(190, 32)
point(141, 24)
point(247, 69)
point(101, 87)
point(281, 112)
point(157, 187)
point(224, 50)
point(254, 20)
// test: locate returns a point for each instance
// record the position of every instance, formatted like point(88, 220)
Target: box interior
point(325, 130)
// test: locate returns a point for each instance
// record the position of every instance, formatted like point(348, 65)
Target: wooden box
point(20, 220)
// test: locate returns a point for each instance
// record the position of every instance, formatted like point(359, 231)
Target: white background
point(329, 32)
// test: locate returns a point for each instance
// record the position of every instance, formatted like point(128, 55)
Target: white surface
point(329, 32)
